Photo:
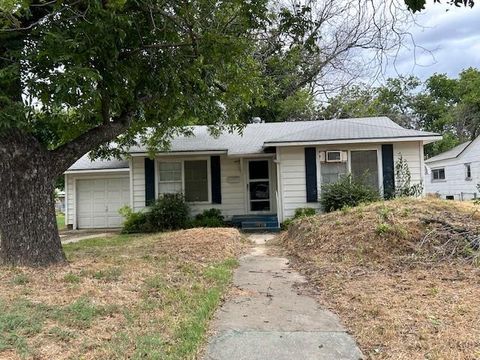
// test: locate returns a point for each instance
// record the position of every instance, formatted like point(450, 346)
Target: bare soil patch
point(403, 275)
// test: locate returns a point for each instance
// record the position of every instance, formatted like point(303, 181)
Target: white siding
point(292, 180)
point(138, 183)
point(233, 194)
point(412, 152)
point(291, 162)
point(455, 183)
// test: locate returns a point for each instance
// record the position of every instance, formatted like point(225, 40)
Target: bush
point(169, 212)
point(304, 212)
point(209, 218)
point(346, 192)
point(135, 222)
point(299, 213)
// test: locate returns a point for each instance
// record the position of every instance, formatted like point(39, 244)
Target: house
point(256, 178)
point(455, 173)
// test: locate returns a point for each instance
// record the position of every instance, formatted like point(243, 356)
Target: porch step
point(256, 222)
point(260, 225)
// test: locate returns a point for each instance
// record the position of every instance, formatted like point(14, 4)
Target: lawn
point(123, 297)
point(60, 220)
point(403, 275)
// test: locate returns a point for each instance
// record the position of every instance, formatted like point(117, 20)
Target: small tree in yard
point(403, 180)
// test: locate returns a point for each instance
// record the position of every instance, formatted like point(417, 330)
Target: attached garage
point(95, 192)
point(99, 200)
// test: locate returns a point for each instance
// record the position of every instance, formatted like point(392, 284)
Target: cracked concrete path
point(267, 319)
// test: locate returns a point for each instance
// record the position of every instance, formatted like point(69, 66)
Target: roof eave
point(98, 170)
point(425, 139)
point(179, 153)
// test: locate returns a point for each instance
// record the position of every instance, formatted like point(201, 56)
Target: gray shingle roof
point(84, 163)
point(350, 129)
point(255, 137)
point(450, 154)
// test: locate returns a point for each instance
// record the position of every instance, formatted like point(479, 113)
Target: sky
point(452, 38)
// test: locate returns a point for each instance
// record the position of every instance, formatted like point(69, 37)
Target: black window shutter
point(216, 180)
point(311, 174)
point(149, 181)
point(388, 171)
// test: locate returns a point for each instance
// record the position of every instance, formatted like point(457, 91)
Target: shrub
point(403, 179)
point(135, 222)
point(299, 213)
point(169, 212)
point(346, 192)
point(304, 212)
point(209, 218)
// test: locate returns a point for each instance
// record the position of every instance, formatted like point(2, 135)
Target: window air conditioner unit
point(334, 156)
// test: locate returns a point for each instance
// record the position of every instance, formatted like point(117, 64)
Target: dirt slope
point(403, 275)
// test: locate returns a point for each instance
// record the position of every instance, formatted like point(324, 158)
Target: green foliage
point(299, 213)
point(20, 279)
point(419, 5)
point(169, 212)
point(209, 218)
point(346, 192)
point(304, 212)
point(449, 106)
point(72, 278)
point(134, 222)
point(403, 180)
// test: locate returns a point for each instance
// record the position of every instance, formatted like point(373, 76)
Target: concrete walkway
point(268, 320)
point(73, 236)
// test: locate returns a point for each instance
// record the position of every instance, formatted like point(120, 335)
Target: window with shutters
point(190, 177)
point(169, 177)
point(196, 180)
point(364, 167)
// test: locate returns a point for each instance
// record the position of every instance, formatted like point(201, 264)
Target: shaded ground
point(267, 318)
point(123, 297)
point(402, 275)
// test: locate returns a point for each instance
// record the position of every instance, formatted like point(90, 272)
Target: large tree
point(76, 75)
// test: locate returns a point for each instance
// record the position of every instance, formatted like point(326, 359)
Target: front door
point(258, 186)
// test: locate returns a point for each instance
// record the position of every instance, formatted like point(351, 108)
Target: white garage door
point(98, 202)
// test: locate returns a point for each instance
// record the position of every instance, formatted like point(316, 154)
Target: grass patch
point(60, 220)
point(132, 297)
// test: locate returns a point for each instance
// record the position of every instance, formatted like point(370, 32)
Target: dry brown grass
point(406, 287)
point(121, 297)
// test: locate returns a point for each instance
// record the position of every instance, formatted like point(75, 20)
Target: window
point(468, 172)
point(170, 177)
point(364, 167)
point(438, 174)
point(196, 180)
point(188, 177)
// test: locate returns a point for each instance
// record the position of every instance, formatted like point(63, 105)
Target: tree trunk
point(28, 228)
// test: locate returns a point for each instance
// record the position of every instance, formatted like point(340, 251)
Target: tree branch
point(64, 156)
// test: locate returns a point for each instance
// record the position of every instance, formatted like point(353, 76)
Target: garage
point(99, 200)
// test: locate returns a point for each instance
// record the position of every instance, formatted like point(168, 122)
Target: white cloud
point(452, 38)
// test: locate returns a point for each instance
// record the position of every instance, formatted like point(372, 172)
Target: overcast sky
point(453, 37)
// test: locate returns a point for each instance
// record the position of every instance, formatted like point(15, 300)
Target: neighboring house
point(59, 200)
point(257, 178)
point(455, 173)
